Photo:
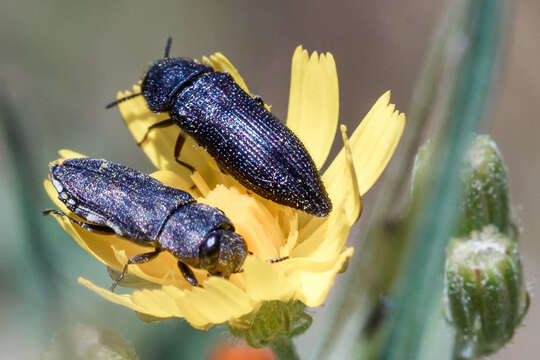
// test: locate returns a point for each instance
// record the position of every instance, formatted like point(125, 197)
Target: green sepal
point(484, 200)
point(485, 188)
point(272, 322)
point(485, 293)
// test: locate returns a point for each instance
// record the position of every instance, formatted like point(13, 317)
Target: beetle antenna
point(278, 259)
point(271, 261)
point(121, 100)
point(168, 46)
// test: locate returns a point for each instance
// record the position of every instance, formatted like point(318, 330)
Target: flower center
point(261, 228)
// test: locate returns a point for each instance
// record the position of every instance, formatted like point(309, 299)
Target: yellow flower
point(315, 246)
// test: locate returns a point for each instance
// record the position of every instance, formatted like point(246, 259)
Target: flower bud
point(484, 185)
point(273, 321)
point(485, 293)
point(485, 188)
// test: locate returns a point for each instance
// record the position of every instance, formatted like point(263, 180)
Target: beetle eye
point(209, 249)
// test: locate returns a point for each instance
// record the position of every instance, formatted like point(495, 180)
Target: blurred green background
point(62, 61)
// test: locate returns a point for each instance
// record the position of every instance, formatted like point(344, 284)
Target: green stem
point(458, 349)
point(284, 349)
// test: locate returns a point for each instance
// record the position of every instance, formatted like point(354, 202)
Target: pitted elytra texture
point(245, 139)
point(116, 199)
point(249, 143)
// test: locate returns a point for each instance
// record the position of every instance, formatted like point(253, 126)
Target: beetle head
point(222, 252)
point(165, 78)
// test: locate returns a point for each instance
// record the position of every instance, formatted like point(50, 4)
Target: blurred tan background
point(515, 125)
point(62, 61)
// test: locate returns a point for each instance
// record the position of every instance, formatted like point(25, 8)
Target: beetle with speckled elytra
point(244, 138)
point(117, 200)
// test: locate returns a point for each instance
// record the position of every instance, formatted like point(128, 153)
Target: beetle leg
point(137, 259)
point(188, 274)
point(178, 148)
point(161, 124)
point(101, 229)
point(259, 99)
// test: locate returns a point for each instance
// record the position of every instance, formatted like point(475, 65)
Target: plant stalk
point(284, 349)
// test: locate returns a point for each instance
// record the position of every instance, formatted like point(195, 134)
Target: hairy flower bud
point(484, 185)
point(485, 191)
point(485, 293)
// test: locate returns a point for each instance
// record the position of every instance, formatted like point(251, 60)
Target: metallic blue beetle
point(118, 200)
point(244, 138)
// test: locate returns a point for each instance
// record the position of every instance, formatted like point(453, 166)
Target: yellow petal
point(69, 154)
point(98, 246)
point(347, 206)
point(157, 301)
point(172, 179)
point(220, 63)
point(314, 286)
point(263, 281)
point(328, 239)
point(219, 301)
point(372, 145)
point(310, 264)
point(125, 300)
point(292, 236)
point(161, 270)
point(314, 102)
point(199, 182)
point(251, 219)
point(353, 201)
